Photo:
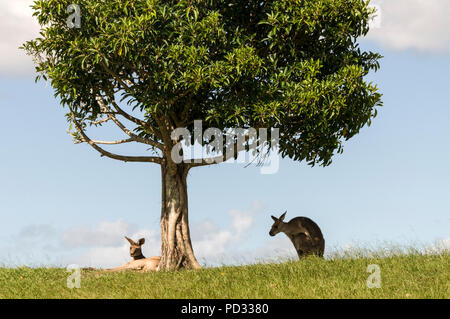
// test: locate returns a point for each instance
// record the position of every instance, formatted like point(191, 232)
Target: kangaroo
point(304, 234)
point(139, 261)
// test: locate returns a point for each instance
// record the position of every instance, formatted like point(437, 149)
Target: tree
point(152, 66)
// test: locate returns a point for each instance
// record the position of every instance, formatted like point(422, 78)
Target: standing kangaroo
point(139, 261)
point(303, 233)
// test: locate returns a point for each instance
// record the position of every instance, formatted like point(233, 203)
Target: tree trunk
point(176, 246)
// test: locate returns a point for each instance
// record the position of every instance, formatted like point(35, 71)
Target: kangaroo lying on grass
point(139, 261)
point(303, 233)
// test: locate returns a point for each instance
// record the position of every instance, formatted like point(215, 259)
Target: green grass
point(404, 276)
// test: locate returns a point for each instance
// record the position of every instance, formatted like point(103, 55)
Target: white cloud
point(37, 231)
point(101, 257)
point(16, 26)
point(211, 242)
point(440, 246)
point(275, 249)
point(241, 221)
point(111, 249)
point(105, 234)
point(103, 245)
point(413, 24)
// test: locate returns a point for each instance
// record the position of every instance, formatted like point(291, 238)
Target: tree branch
point(213, 160)
point(102, 121)
point(165, 134)
point(128, 88)
point(221, 158)
point(112, 142)
point(103, 152)
point(133, 136)
point(133, 119)
point(125, 114)
point(122, 82)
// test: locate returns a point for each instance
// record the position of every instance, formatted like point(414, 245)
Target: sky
point(62, 204)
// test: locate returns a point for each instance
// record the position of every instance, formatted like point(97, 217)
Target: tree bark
point(176, 246)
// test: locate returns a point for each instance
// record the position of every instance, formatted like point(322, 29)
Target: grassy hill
point(405, 276)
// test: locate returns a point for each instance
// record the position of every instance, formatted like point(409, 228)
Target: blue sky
point(61, 203)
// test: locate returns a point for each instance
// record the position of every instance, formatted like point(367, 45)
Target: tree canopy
point(291, 64)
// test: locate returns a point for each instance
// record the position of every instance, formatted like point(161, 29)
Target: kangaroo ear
point(274, 218)
point(130, 241)
point(141, 241)
point(282, 216)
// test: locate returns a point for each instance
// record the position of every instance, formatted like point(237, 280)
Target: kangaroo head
point(136, 248)
point(278, 223)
